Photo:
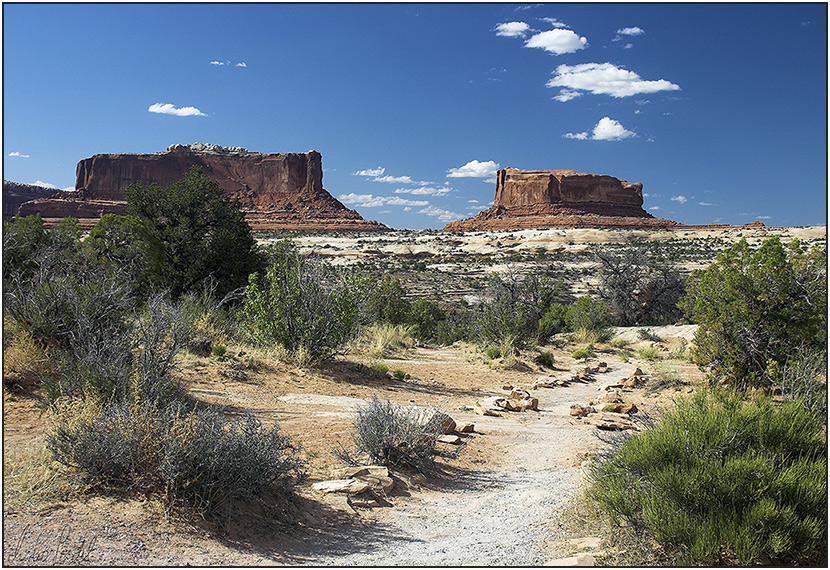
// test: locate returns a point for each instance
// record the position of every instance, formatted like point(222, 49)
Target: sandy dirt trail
point(485, 517)
point(498, 513)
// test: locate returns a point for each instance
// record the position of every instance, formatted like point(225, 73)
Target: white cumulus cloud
point(241, 64)
point(474, 169)
point(635, 31)
point(512, 29)
point(606, 129)
point(557, 41)
point(170, 109)
point(605, 79)
point(680, 199)
point(214, 62)
point(440, 213)
point(352, 198)
point(705, 204)
point(15, 153)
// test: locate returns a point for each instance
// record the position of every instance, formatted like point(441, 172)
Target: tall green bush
point(302, 304)
point(758, 308)
point(723, 477)
point(513, 307)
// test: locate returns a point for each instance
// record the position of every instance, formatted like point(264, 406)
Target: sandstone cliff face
point(528, 187)
point(562, 198)
point(15, 194)
point(275, 191)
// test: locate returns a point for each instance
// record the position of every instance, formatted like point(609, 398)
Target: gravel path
point(486, 518)
point(492, 519)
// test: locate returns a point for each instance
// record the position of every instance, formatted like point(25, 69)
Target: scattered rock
point(609, 398)
point(580, 411)
point(620, 408)
point(466, 428)
point(358, 471)
point(451, 439)
point(407, 481)
point(442, 420)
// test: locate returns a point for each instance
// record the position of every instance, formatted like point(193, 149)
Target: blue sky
point(720, 110)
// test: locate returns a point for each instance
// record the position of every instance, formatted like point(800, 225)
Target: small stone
point(467, 428)
point(609, 398)
point(442, 420)
point(451, 439)
point(358, 471)
point(637, 372)
point(507, 387)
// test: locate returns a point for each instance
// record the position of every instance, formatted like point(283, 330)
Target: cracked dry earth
point(498, 504)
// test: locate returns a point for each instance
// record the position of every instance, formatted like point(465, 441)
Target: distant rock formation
point(562, 199)
point(276, 191)
point(15, 193)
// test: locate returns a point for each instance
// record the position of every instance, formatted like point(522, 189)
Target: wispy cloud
point(440, 213)
point(512, 29)
point(557, 41)
point(217, 62)
point(170, 109)
point(680, 199)
point(604, 79)
point(372, 201)
point(554, 22)
point(474, 169)
point(764, 217)
point(394, 179)
point(606, 129)
point(425, 191)
point(370, 172)
point(654, 207)
point(705, 204)
point(377, 175)
point(15, 153)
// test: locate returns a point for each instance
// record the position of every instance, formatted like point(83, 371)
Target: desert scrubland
point(509, 485)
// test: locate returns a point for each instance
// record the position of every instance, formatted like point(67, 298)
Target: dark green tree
point(203, 231)
point(758, 309)
point(128, 243)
